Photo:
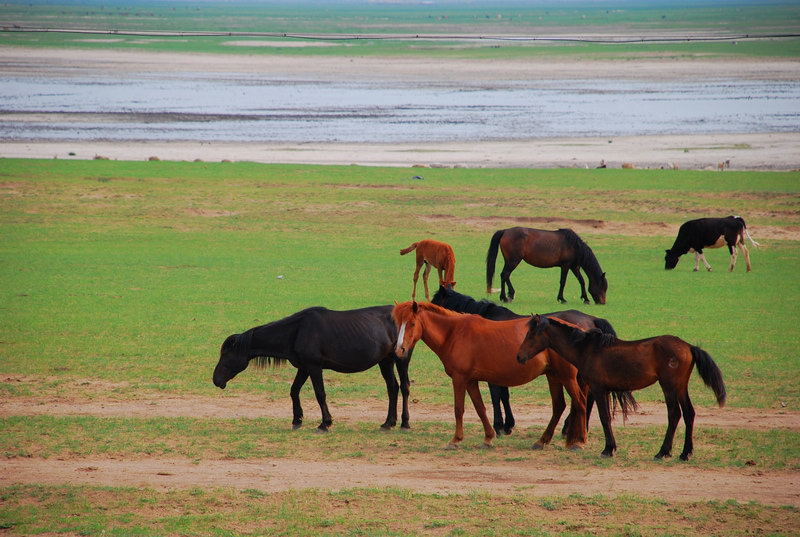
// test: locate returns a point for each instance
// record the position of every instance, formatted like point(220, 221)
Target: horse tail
point(625, 401)
point(450, 270)
point(604, 326)
point(404, 251)
point(491, 258)
point(710, 373)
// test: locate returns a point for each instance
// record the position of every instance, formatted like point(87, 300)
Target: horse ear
point(414, 307)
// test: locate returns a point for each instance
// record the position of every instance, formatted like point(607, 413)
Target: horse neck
point(590, 265)
point(436, 330)
point(560, 342)
point(274, 339)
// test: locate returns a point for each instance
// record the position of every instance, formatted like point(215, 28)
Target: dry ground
point(420, 472)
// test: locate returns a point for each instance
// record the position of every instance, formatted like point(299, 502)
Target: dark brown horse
point(474, 349)
point(545, 249)
point(610, 365)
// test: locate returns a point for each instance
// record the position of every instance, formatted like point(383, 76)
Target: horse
point(317, 338)
point(695, 235)
point(437, 254)
point(474, 349)
point(611, 365)
point(545, 249)
point(453, 300)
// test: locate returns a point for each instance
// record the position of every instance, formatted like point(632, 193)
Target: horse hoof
point(685, 456)
point(405, 426)
point(321, 430)
point(575, 448)
point(296, 426)
point(451, 446)
point(508, 431)
point(538, 446)
point(487, 446)
point(607, 455)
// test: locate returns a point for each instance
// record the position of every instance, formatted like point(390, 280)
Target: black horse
point(318, 338)
point(453, 300)
point(545, 249)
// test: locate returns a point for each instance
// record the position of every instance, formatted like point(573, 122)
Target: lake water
point(199, 106)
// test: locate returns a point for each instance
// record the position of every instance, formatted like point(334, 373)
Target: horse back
point(538, 247)
point(346, 341)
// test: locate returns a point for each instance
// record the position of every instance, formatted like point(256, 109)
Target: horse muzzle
point(521, 358)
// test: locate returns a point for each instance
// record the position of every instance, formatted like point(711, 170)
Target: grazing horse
point(437, 254)
point(318, 338)
point(610, 365)
point(453, 300)
point(545, 249)
point(474, 349)
point(695, 235)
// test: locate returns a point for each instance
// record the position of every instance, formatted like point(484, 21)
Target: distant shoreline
point(744, 151)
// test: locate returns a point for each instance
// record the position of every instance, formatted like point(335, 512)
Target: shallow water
point(198, 106)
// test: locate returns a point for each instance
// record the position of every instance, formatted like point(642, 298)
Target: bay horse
point(317, 338)
point(545, 249)
point(695, 235)
point(433, 254)
point(611, 365)
point(474, 349)
point(453, 300)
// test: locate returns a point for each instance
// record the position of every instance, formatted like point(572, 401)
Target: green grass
point(210, 439)
point(346, 19)
point(134, 273)
point(29, 510)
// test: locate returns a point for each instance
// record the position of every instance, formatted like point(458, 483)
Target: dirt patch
point(429, 474)
point(248, 406)
point(638, 229)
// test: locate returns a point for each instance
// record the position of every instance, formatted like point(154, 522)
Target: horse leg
point(576, 434)
point(497, 410)
point(459, 391)
point(561, 285)
point(557, 397)
point(477, 401)
point(297, 410)
point(601, 399)
point(589, 405)
point(746, 253)
point(405, 384)
point(425, 280)
point(688, 421)
point(510, 422)
point(319, 391)
point(673, 416)
point(577, 272)
point(505, 279)
point(416, 277)
point(392, 388)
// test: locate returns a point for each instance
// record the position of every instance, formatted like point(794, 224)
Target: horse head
point(536, 339)
point(670, 260)
point(598, 289)
point(232, 360)
point(405, 316)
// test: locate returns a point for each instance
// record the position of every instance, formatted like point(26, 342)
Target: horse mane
point(453, 300)
point(401, 312)
point(577, 334)
point(583, 254)
point(286, 327)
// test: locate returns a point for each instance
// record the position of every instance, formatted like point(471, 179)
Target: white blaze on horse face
point(400, 336)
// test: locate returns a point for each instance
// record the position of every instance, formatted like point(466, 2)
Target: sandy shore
point(773, 151)
point(744, 151)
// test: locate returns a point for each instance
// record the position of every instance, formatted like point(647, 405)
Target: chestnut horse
point(474, 349)
point(610, 365)
point(545, 249)
point(437, 254)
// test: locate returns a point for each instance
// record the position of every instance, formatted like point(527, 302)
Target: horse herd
point(480, 341)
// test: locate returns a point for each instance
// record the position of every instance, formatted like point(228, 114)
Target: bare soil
point(427, 473)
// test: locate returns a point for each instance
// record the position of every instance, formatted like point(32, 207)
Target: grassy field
point(121, 279)
point(337, 19)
